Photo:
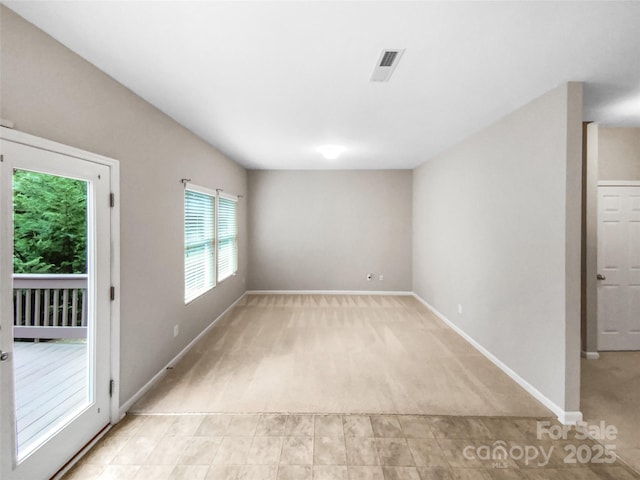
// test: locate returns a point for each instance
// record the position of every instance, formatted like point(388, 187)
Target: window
point(199, 242)
point(227, 236)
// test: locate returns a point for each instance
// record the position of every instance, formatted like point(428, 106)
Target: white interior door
point(54, 395)
point(619, 268)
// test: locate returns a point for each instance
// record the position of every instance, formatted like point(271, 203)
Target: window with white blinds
point(227, 236)
point(199, 242)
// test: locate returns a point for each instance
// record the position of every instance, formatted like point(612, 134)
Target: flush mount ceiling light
point(331, 152)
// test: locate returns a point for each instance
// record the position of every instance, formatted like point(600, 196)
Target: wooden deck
point(51, 385)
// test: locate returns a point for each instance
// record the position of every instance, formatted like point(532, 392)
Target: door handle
point(601, 277)
point(3, 356)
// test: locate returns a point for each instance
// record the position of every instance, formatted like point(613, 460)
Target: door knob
point(3, 356)
point(601, 277)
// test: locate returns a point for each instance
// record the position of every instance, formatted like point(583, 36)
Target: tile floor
point(328, 447)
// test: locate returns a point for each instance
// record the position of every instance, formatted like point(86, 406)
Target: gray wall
point(51, 92)
point(496, 228)
point(618, 153)
point(325, 230)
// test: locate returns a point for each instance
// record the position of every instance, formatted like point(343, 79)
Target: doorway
point(610, 383)
point(57, 316)
point(618, 266)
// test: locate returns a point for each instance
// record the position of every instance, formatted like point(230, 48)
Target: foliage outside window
point(50, 224)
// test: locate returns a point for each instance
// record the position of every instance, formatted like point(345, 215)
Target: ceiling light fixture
point(331, 152)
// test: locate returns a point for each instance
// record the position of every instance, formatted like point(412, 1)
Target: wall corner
point(573, 240)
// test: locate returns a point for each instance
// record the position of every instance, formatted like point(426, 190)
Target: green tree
point(50, 223)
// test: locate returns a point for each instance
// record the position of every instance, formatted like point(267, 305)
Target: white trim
point(329, 292)
point(49, 145)
point(197, 188)
point(147, 386)
point(228, 196)
point(619, 183)
point(115, 303)
point(590, 355)
point(565, 417)
point(569, 418)
point(114, 187)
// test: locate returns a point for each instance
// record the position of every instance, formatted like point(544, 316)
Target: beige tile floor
point(610, 392)
point(328, 447)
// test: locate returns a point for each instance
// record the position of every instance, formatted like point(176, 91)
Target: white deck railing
point(49, 306)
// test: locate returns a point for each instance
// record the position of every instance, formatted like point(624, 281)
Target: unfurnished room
point(319, 240)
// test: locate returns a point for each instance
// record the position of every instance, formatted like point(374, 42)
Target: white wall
point(496, 228)
point(325, 230)
point(51, 92)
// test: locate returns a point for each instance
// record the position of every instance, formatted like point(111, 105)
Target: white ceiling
point(267, 82)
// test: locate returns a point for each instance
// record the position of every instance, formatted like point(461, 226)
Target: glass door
point(55, 254)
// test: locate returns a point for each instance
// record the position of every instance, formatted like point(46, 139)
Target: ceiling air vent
point(386, 64)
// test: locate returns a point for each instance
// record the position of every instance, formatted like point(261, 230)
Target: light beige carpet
point(610, 391)
point(337, 354)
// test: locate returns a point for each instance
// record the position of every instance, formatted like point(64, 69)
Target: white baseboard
point(136, 396)
point(328, 292)
point(565, 417)
point(570, 418)
point(590, 355)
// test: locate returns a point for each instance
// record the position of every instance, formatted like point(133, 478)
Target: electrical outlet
point(459, 308)
point(381, 277)
point(176, 330)
point(369, 277)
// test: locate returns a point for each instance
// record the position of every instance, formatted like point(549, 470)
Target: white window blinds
point(227, 236)
point(199, 242)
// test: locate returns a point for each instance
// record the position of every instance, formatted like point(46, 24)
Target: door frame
point(590, 264)
point(15, 136)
